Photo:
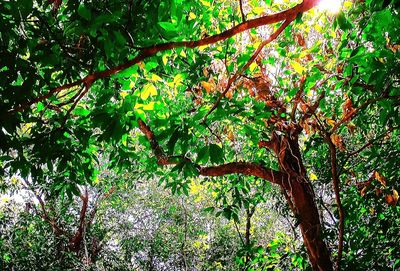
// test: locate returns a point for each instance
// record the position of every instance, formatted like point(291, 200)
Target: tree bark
point(301, 199)
point(310, 226)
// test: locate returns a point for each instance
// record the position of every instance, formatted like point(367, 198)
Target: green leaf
point(84, 12)
point(342, 21)
point(190, 170)
point(119, 37)
point(173, 139)
point(150, 65)
point(40, 106)
point(299, 18)
point(203, 155)
point(170, 27)
point(209, 209)
point(216, 154)
point(24, 7)
point(227, 213)
point(80, 111)
point(178, 167)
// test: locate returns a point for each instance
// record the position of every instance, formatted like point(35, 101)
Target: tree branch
point(96, 205)
point(353, 113)
point(372, 141)
point(44, 214)
point(76, 240)
point(336, 188)
point(46, 96)
point(239, 233)
point(85, 203)
point(366, 145)
point(245, 168)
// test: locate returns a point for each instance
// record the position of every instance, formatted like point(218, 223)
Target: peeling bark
point(301, 199)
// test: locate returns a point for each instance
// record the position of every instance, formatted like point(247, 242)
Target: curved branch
point(152, 50)
point(366, 145)
point(245, 168)
point(44, 214)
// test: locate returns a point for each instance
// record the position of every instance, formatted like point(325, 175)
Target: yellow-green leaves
point(148, 90)
point(253, 66)
point(192, 16)
point(313, 177)
point(297, 67)
point(148, 107)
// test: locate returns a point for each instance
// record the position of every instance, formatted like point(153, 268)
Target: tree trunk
point(306, 211)
point(301, 199)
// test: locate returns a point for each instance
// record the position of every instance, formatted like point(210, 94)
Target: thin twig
point(368, 144)
point(336, 188)
point(241, 11)
point(239, 233)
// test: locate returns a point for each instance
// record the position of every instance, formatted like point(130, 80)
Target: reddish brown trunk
point(310, 226)
point(301, 200)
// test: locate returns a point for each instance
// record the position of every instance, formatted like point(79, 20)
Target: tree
point(259, 89)
point(141, 227)
point(51, 232)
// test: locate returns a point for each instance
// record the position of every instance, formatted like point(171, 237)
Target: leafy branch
point(144, 53)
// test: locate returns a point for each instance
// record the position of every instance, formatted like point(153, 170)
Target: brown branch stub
point(158, 151)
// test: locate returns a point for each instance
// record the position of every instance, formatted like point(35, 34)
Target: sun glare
point(332, 6)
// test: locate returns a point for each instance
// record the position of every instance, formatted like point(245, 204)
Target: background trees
point(250, 98)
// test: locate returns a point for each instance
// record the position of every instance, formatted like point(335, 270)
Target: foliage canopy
point(257, 100)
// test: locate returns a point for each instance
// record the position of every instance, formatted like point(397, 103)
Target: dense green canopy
point(258, 101)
